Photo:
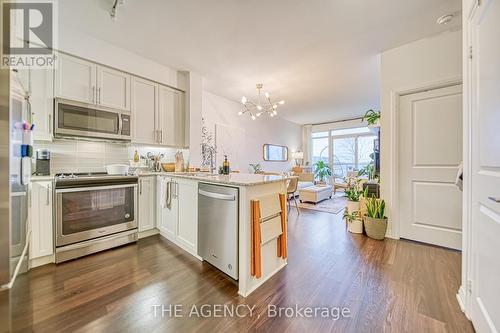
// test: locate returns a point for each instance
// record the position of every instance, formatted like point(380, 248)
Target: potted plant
point(256, 168)
point(321, 170)
point(372, 118)
point(375, 220)
point(369, 171)
point(354, 222)
point(352, 195)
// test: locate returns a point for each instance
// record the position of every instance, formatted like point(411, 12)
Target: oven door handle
point(93, 188)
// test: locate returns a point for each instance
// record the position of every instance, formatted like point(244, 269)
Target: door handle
point(495, 199)
point(219, 196)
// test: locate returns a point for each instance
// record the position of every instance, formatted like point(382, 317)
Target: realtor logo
point(28, 34)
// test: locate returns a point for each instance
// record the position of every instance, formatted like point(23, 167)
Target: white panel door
point(171, 117)
point(144, 105)
point(485, 159)
point(187, 227)
point(147, 200)
point(430, 150)
point(76, 79)
point(113, 88)
point(42, 238)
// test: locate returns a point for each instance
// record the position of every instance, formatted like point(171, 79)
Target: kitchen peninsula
point(179, 220)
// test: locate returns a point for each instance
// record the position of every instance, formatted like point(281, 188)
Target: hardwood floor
point(389, 286)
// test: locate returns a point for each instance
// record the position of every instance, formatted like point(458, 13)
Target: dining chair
point(290, 192)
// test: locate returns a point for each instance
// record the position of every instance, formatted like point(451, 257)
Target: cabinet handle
point(161, 136)
point(93, 94)
point(48, 199)
point(99, 95)
point(495, 199)
point(50, 123)
point(140, 187)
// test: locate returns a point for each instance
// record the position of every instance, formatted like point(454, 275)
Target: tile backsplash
point(88, 156)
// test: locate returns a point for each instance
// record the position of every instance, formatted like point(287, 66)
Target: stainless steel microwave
point(75, 119)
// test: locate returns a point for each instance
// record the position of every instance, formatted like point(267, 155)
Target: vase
point(355, 226)
point(352, 206)
point(375, 228)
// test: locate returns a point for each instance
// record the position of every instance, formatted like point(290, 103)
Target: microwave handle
point(120, 123)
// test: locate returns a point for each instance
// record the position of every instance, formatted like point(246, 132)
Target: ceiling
point(321, 56)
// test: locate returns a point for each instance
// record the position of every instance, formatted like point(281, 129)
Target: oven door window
point(83, 119)
point(91, 210)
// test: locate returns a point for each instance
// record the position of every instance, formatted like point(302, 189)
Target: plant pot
point(352, 206)
point(375, 228)
point(355, 226)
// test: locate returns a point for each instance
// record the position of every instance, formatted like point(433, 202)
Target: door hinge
point(469, 286)
point(470, 52)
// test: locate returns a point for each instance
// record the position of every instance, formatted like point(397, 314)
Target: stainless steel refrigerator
point(15, 171)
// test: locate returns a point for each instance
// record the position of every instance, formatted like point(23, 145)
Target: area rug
point(333, 205)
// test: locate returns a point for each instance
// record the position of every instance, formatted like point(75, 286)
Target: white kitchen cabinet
point(187, 223)
point(144, 108)
point(42, 103)
point(41, 222)
point(179, 222)
point(168, 213)
point(147, 196)
point(113, 88)
point(84, 81)
point(76, 79)
point(171, 117)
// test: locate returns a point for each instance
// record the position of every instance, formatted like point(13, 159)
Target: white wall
point(219, 110)
point(87, 47)
point(412, 66)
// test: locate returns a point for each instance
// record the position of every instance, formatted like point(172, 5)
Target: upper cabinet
point(76, 79)
point(113, 88)
point(144, 109)
point(171, 117)
point(42, 103)
point(84, 81)
point(158, 112)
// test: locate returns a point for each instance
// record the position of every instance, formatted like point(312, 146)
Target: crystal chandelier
point(263, 105)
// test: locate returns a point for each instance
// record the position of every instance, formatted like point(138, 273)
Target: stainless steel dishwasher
point(218, 227)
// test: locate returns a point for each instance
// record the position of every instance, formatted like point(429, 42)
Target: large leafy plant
point(375, 208)
point(322, 170)
point(371, 117)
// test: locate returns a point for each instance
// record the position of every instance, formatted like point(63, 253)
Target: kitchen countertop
point(235, 179)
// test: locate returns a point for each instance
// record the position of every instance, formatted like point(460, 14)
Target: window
point(320, 150)
point(349, 149)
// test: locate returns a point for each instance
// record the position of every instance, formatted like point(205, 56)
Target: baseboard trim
point(147, 233)
point(461, 300)
point(41, 261)
point(270, 275)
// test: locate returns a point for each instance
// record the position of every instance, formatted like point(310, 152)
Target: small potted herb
point(375, 220)
point(354, 222)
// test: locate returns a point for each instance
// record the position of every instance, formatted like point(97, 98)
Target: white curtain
point(307, 144)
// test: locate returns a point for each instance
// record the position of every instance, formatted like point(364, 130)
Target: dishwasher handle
point(219, 196)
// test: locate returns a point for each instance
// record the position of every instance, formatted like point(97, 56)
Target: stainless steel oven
point(93, 213)
point(84, 120)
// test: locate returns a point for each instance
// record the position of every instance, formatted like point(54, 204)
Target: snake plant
point(375, 208)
